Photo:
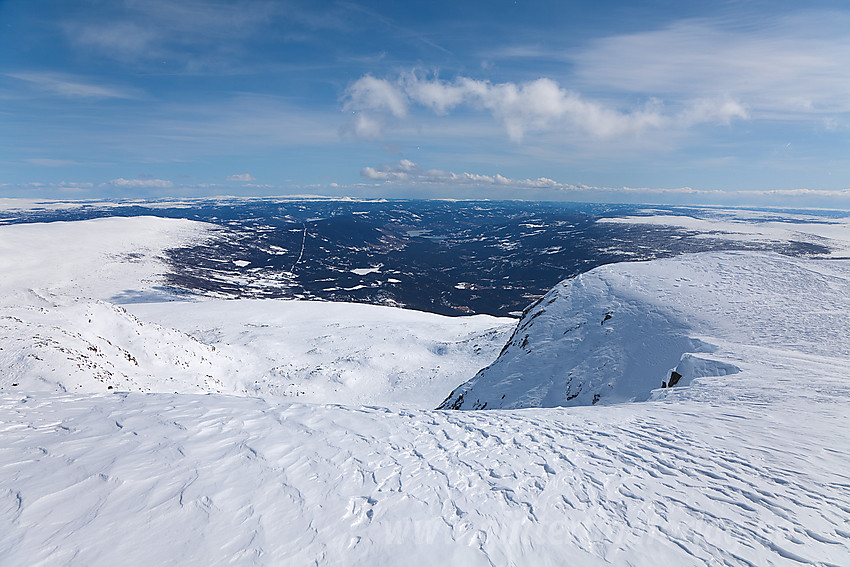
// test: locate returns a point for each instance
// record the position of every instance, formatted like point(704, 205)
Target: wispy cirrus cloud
point(201, 36)
point(541, 105)
point(191, 35)
point(793, 65)
point(119, 40)
point(51, 162)
point(71, 86)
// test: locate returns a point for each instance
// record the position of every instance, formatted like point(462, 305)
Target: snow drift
point(621, 331)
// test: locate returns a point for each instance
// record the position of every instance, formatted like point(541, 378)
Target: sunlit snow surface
point(747, 468)
point(61, 331)
point(618, 332)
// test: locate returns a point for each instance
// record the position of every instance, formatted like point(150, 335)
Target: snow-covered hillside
point(312, 351)
point(345, 353)
point(72, 321)
point(120, 259)
point(743, 468)
point(619, 332)
point(747, 226)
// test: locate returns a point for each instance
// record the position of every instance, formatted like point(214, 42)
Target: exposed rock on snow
point(618, 332)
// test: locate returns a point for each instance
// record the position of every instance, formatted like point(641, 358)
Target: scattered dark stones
point(574, 396)
point(453, 405)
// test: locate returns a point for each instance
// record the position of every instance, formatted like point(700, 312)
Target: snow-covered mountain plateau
point(85, 309)
point(141, 426)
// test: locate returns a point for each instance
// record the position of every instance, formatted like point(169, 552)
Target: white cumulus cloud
point(369, 93)
point(246, 177)
point(141, 183)
point(406, 171)
point(533, 106)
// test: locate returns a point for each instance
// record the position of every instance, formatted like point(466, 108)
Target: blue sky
point(738, 102)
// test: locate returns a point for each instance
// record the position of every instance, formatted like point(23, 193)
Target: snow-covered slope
point(116, 258)
point(152, 479)
point(57, 331)
point(344, 353)
point(621, 331)
point(747, 468)
point(71, 321)
point(55, 344)
point(318, 352)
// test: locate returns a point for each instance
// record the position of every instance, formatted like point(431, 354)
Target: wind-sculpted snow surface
point(621, 331)
point(746, 465)
point(153, 479)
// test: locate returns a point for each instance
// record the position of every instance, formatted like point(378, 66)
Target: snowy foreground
point(750, 467)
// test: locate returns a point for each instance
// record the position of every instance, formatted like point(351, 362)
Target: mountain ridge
point(619, 332)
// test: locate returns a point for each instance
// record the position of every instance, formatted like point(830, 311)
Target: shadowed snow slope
point(620, 331)
point(337, 352)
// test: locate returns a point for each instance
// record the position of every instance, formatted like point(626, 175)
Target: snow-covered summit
point(743, 469)
point(620, 332)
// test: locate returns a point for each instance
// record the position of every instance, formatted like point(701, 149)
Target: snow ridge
point(619, 332)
